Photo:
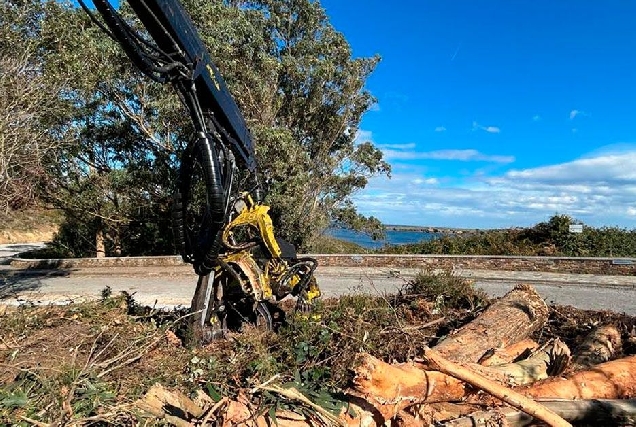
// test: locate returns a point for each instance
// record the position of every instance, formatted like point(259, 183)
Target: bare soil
point(81, 361)
point(38, 225)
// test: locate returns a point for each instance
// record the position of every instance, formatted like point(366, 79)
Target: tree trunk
point(610, 380)
point(598, 347)
point(391, 388)
point(509, 354)
point(594, 412)
point(117, 241)
point(100, 247)
point(507, 321)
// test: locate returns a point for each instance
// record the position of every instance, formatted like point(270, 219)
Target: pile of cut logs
point(487, 373)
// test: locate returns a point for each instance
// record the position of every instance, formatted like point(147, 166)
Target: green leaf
point(17, 399)
point(272, 414)
point(213, 392)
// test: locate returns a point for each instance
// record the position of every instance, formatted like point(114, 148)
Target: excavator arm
point(224, 231)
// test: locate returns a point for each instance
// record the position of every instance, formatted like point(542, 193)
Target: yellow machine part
point(256, 216)
point(256, 283)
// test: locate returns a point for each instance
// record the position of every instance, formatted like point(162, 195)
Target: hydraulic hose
point(203, 248)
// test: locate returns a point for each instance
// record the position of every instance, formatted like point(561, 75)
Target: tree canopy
point(118, 136)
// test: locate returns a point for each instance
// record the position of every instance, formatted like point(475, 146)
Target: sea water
point(393, 237)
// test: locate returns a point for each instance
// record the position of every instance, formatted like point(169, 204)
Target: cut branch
point(507, 395)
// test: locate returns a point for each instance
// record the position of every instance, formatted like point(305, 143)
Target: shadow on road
point(14, 282)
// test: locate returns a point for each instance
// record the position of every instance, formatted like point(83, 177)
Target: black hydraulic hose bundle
point(198, 245)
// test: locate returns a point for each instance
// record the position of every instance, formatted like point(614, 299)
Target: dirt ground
point(89, 361)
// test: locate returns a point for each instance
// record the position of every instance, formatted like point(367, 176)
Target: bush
point(448, 290)
point(551, 238)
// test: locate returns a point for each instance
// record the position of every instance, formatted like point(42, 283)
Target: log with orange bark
point(393, 387)
point(609, 380)
point(508, 320)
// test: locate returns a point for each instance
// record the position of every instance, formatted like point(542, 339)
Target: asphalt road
point(170, 286)
point(11, 249)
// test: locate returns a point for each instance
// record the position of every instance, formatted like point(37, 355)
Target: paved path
point(12, 249)
point(169, 286)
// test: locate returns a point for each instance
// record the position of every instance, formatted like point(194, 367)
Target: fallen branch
point(598, 412)
point(506, 395)
point(507, 321)
point(293, 394)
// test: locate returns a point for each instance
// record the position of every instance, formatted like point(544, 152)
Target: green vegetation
point(66, 364)
point(90, 136)
point(551, 238)
point(331, 245)
point(448, 290)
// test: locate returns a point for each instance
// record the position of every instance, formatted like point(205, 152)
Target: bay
point(393, 237)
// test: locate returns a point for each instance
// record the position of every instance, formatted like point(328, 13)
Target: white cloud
point(604, 169)
point(427, 181)
point(440, 129)
point(489, 129)
point(458, 155)
point(375, 107)
point(576, 113)
point(408, 146)
point(599, 189)
point(536, 118)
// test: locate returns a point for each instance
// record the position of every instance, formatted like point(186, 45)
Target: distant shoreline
point(436, 230)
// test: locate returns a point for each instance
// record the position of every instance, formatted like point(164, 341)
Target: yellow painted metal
point(257, 280)
point(257, 216)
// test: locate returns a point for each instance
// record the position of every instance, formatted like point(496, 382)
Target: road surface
point(12, 249)
point(172, 286)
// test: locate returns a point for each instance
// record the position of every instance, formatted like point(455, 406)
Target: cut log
point(598, 347)
point(502, 393)
point(510, 354)
point(609, 380)
point(391, 388)
point(507, 321)
point(399, 385)
point(595, 412)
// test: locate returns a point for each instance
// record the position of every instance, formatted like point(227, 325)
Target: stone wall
point(611, 266)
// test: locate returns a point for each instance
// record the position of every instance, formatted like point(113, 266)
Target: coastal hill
point(438, 230)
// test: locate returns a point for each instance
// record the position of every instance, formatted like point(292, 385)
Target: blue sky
point(499, 113)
